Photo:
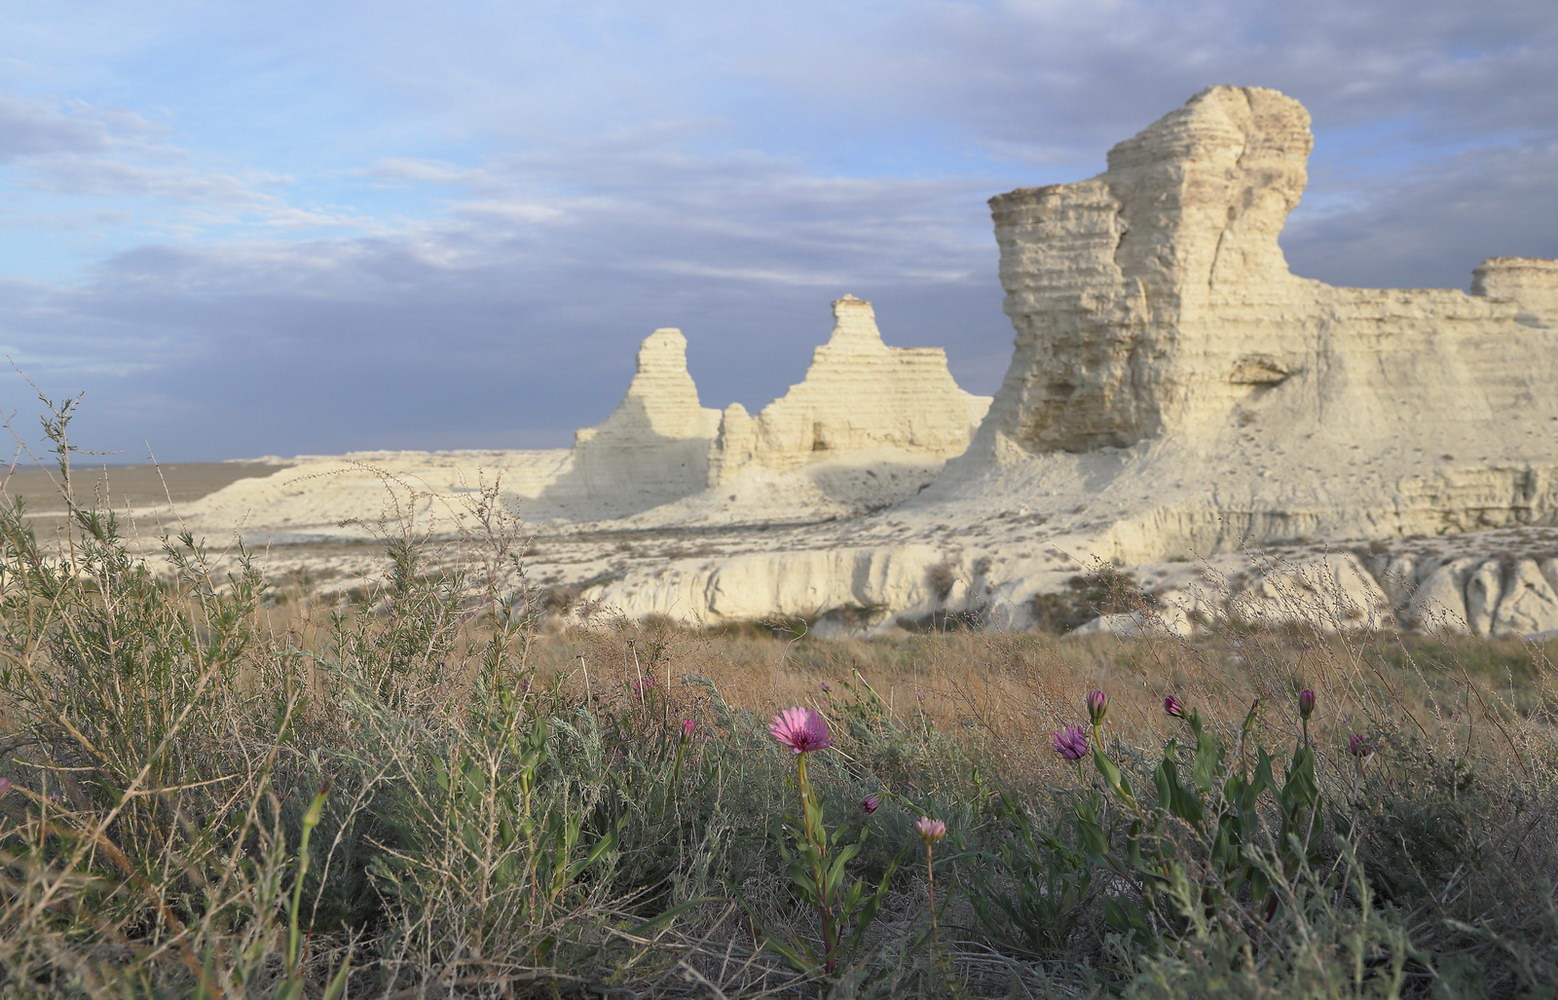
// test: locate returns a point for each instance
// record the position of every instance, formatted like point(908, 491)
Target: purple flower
point(824, 687)
point(1071, 742)
point(801, 729)
point(643, 685)
point(870, 803)
point(930, 830)
point(1097, 707)
point(1173, 707)
point(5, 786)
point(1306, 703)
point(1358, 746)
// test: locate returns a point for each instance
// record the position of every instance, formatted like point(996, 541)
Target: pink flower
point(801, 729)
point(930, 830)
point(824, 687)
point(1071, 742)
point(1173, 707)
point(643, 685)
point(1358, 746)
point(5, 786)
point(688, 727)
point(870, 803)
point(1306, 703)
point(1097, 707)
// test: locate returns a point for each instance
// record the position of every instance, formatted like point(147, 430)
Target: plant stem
point(930, 896)
point(811, 830)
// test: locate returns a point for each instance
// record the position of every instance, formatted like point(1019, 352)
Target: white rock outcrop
point(859, 395)
point(1176, 393)
point(1179, 405)
point(869, 425)
point(652, 449)
point(1175, 377)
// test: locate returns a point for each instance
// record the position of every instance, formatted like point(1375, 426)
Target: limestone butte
point(869, 424)
point(858, 395)
point(1176, 393)
point(1177, 400)
point(652, 449)
point(860, 400)
point(1174, 375)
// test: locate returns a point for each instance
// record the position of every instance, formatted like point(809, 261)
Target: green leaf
point(797, 961)
point(1111, 774)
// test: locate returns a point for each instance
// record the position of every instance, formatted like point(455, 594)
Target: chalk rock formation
point(654, 448)
point(858, 395)
point(1177, 393)
point(1173, 375)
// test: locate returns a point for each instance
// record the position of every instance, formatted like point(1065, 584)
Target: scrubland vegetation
point(419, 792)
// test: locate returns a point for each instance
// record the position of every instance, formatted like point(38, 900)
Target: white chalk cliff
point(859, 395)
point(1178, 403)
point(869, 425)
point(1174, 375)
point(1176, 393)
point(652, 449)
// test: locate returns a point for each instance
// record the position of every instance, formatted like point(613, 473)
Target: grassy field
point(419, 792)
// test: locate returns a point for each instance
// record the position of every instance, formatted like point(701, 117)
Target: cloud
point(109, 168)
point(1430, 228)
point(416, 226)
point(411, 170)
point(98, 177)
point(1053, 84)
point(34, 128)
point(527, 299)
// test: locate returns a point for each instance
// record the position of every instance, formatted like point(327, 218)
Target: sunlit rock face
point(894, 412)
point(1177, 394)
point(1208, 398)
point(1246, 443)
point(859, 395)
point(1153, 295)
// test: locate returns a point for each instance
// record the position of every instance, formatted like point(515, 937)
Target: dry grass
point(420, 792)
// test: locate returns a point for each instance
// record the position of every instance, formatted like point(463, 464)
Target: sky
point(288, 227)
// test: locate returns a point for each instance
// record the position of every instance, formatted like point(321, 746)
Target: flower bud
point(1306, 703)
point(1173, 707)
point(1097, 707)
point(870, 803)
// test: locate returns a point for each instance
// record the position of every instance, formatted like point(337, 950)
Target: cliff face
point(859, 395)
point(1176, 393)
point(1116, 284)
point(1209, 398)
point(861, 402)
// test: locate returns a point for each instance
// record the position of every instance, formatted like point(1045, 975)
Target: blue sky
point(283, 227)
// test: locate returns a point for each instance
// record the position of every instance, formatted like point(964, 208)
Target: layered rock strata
point(859, 395)
point(1176, 393)
point(1174, 375)
point(652, 449)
